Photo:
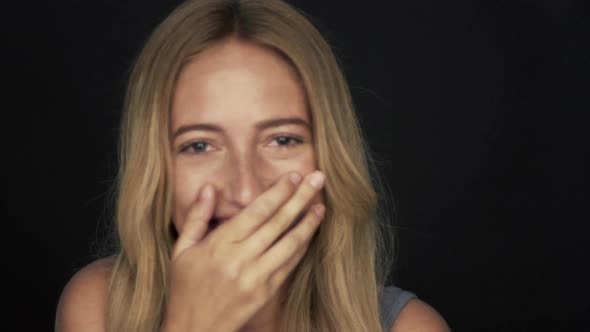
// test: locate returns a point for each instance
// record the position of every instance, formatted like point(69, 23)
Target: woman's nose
point(244, 182)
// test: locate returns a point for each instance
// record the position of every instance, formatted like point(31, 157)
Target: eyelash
point(297, 141)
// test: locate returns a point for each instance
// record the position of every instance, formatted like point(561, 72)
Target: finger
point(270, 264)
point(278, 278)
point(196, 223)
point(272, 283)
point(267, 234)
point(261, 209)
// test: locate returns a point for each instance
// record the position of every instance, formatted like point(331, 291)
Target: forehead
point(237, 80)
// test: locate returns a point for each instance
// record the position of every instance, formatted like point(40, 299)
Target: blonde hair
point(336, 286)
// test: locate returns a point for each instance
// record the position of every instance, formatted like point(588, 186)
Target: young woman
point(245, 201)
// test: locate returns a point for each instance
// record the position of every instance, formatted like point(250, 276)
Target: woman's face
point(239, 121)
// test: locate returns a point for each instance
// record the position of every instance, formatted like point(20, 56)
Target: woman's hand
point(219, 281)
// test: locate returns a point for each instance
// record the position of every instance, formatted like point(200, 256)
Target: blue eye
point(200, 147)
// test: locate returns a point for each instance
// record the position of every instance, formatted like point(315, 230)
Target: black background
point(476, 110)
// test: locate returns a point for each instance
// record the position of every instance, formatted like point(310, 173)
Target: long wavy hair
point(338, 283)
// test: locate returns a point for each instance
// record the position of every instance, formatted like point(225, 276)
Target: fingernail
point(295, 178)
point(316, 179)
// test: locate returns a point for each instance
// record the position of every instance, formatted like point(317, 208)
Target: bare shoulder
point(82, 303)
point(418, 315)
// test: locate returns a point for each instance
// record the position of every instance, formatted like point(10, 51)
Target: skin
point(236, 85)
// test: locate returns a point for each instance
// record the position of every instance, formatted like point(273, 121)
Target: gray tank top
point(393, 299)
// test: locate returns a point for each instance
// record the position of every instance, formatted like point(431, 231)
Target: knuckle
point(247, 284)
point(263, 208)
point(291, 210)
point(231, 270)
point(264, 239)
point(257, 296)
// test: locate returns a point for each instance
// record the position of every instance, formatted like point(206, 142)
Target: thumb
point(197, 220)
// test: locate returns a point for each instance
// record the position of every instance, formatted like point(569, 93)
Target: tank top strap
point(393, 299)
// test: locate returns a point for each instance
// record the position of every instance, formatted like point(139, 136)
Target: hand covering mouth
point(215, 222)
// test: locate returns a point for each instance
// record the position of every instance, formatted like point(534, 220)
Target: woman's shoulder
point(404, 311)
point(82, 303)
point(418, 315)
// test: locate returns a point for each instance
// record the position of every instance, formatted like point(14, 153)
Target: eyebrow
point(262, 125)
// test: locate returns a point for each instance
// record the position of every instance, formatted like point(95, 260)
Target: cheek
point(303, 163)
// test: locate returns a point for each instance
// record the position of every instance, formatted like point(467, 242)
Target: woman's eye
point(198, 147)
point(287, 141)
